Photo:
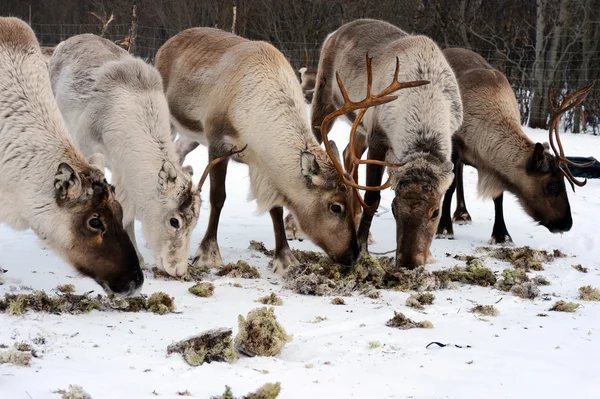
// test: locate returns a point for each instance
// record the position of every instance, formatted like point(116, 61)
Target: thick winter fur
point(45, 184)
point(416, 128)
point(228, 92)
point(491, 140)
point(114, 104)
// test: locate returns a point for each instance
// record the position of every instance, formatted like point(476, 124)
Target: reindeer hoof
point(443, 234)
point(208, 255)
point(283, 262)
point(462, 218)
point(501, 240)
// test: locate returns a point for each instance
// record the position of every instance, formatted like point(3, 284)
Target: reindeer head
point(544, 195)
point(419, 187)
point(94, 242)
point(171, 217)
point(420, 195)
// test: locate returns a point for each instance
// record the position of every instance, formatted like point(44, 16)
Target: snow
point(514, 355)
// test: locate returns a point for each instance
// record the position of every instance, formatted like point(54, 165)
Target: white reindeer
point(45, 183)
point(113, 104)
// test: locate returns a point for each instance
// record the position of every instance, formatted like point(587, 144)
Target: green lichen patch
point(517, 282)
point(193, 274)
point(474, 273)
point(374, 344)
point(210, 346)
point(241, 269)
point(161, 303)
point(272, 300)
point(562, 306)
point(338, 301)
point(202, 289)
point(485, 310)
point(420, 299)
point(261, 334)
point(589, 293)
point(66, 288)
point(524, 257)
point(267, 391)
point(402, 322)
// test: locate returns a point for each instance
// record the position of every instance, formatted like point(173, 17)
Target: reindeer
point(45, 183)
point(415, 130)
point(308, 77)
point(492, 141)
point(114, 104)
point(226, 91)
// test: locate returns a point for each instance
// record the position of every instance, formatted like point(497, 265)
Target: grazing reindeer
point(227, 91)
point(114, 104)
point(415, 130)
point(45, 183)
point(491, 140)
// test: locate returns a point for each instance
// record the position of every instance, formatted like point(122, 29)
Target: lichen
point(267, 391)
point(193, 274)
point(161, 303)
point(240, 269)
point(402, 322)
point(419, 299)
point(210, 346)
point(261, 334)
point(580, 268)
point(374, 344)
point(524, 257)
point(66, 288)
point(589, 293)
point(260, 247)
point(474, 273)
point(510, 277)
point(17, 355)
point(74, 392)
point(485, 310)
point(338, 301)
point(202, 289)
point(562, 306)
point(526, 290)
point(272, 300)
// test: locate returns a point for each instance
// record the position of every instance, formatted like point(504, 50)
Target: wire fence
point(517, 65)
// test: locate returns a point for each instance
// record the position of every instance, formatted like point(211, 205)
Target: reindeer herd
point(416, 110)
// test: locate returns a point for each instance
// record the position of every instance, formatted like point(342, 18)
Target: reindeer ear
point(335, 150)
point(167, 175)
point(189, 170)
point(97, 160)
point(67, 184)
point(309, 165)
point(539, 161)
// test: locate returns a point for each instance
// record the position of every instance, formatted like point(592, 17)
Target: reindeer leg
point(445, 229)
point(208, 252)
point(461, 215)
point(292, 230)
point(374, 177)
point(499, 232)
point(283, 254)
point(184, 146)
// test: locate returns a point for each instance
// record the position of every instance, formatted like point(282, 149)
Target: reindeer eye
point(174, 223)
point(95, 223)
point(553, 188)
point(435, 214)
point(335, 208)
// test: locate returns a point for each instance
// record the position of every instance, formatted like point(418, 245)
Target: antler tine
point(342, 90)
point(214, 162)
point(572, 180)
point(571, 101)
point(397, 85)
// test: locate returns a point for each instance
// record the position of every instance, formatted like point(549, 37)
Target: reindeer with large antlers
point(414, 130)
point(492, 141)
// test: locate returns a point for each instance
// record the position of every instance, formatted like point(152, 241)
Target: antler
point(568, 102)
point(371, 100)
point(215, 161)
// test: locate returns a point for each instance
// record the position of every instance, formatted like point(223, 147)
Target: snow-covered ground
point(514, 355)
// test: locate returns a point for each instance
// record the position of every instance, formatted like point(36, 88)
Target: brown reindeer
point(308, 77)
point(227, 91)
point(414, 130)
point(492, 141)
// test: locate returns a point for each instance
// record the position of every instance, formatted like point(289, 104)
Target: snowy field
point(514, 355)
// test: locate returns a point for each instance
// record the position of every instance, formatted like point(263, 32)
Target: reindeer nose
point(561, 225)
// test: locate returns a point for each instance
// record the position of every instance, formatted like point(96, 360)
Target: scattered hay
point(66, 288)
point(202, 289)
point(272, 300)
point(17, 355)
point(562, 306)
point(261, 334)
point(418, 300)
point(404, 323)
point(210, 346)
point(474, 273)
point(524, 257)
point(74, 392)
point(580, 268)
point(374, 344)
point(338, 301)
point(193, 275)
point(589, 293)
point(240, 269)
point(161, 303)
point(267, 391)
point(485, 310)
